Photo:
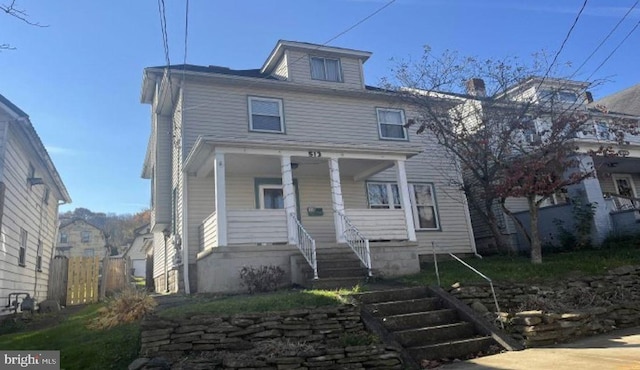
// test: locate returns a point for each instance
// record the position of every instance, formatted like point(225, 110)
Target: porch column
point(403, 189)
point(289, 198)
point(336, 197)
point(221, 197)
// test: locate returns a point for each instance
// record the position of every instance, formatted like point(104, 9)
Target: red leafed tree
point(506, 139)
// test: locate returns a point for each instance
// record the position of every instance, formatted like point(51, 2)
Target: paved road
point(619, 350)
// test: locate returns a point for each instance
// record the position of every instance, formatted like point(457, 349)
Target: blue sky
point(79, 78)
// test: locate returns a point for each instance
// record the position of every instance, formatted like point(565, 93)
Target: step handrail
point(358, 243)
point(306, 244)
point(493, 291)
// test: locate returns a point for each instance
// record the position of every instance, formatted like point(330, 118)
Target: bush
point(127, 306)
point(261, 279)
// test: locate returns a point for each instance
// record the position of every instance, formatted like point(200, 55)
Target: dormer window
point(602, 131)
point(561, 96)
point(326, 69)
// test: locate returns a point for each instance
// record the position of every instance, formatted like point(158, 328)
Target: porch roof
point(379, 156)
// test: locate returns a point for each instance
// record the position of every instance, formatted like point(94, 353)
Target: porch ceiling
point(617, 164)
point(246, 164)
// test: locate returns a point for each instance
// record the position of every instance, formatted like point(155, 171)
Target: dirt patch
point(27, 321)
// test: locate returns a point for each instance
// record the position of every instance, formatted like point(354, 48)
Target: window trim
point(412, 201)
point(280, 110)
point(389, 186)
point(403, 118)
point(82, 238)
point(324, 63)
point(66, 237)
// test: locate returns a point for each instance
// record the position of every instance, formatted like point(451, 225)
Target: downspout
point(185, 233)
point(165, 235)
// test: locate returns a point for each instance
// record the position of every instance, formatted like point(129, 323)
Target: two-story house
point(291, 165)
point(79, 238)
point(612, 189)
point(30, 192)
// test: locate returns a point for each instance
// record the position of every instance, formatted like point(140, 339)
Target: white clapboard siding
point(210, 232)
point(201, 205)
point(256, 226)
point(379, 224)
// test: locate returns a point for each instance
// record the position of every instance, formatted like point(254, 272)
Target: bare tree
point(14, 11)
point(507, 140)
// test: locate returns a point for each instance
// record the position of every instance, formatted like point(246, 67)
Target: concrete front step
point(420, 319)
point(337, 283)
point(338, 263)
point(392, 295)
point(435, 334)
point(403, 307)
point(451, 349)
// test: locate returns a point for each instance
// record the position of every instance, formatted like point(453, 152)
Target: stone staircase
point(337, 268)
point(423, 325)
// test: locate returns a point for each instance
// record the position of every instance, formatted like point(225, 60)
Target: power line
point(606, 38)
point(564, 42)
point(163, 29)
point(186, 36)
point(614, 50)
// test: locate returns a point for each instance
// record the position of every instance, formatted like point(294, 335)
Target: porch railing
point(623, 202)
point(305, 243)
point(356, 241)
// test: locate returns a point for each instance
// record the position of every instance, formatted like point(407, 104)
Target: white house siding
point(222, 111)
point(282, 70)
point(300, 71)
point(24, 208)
point(201, 205)
point(162, 171)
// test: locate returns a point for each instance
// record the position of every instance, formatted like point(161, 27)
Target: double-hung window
point(383, 195)
point(85, 236)
point(602, 131)
point(265, 115)
point(326, 69)
point(391, 124)
point(22, 253)
point(64, 237)
point(424, 207)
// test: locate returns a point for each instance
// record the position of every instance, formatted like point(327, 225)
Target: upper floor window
point(265, 115)
point(326, 69)
point(391, 124)
point(561, 96)
point(85, 236)
point(64, 237)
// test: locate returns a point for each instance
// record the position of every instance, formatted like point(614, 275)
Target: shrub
point(127, 306)
point(261, 279)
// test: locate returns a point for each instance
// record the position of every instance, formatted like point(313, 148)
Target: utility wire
point(564, 42)
point(614, 50)
point(186, 36)
point(605, 39)
point(163, 29)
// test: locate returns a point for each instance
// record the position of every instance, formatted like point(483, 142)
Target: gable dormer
point(312, 64)
point(551, 90)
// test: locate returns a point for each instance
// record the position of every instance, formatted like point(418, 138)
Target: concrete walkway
point(619, 350)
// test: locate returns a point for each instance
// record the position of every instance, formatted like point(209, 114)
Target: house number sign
point(315, 154)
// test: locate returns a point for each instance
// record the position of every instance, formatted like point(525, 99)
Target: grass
point(519, 269)
point(81, 348)
point(277, 301)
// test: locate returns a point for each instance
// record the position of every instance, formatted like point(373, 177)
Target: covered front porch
point(619, 179)
point(310, 197)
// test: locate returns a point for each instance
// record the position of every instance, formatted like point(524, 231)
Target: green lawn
point(520, 269)
point(81, 348)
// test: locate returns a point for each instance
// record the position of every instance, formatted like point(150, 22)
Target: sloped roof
point(176, 68)
point(625, 101)
point(24, 123)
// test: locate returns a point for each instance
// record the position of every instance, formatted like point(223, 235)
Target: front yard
point(115, 348)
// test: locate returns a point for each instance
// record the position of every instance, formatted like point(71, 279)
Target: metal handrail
point(356, 241)
point(493, 291)
point(306, 244)
point(634, 202)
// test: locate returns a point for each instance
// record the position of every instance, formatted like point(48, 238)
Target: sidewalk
point(618, 350)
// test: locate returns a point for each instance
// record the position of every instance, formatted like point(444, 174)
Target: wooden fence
point(74, 280)
point(78, 280)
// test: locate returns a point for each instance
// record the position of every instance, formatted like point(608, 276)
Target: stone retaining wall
point(535, 314)
point(332, 337)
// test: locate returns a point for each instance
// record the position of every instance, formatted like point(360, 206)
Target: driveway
point(619, 350)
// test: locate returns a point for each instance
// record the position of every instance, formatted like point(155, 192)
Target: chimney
point(475, 87)
point(588, 97)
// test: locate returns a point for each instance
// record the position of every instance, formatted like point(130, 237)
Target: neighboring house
point(255, 167)
point(79, 238)
point(612, 191)
point(30, 192)
point(625, 101)
point(138, 249)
